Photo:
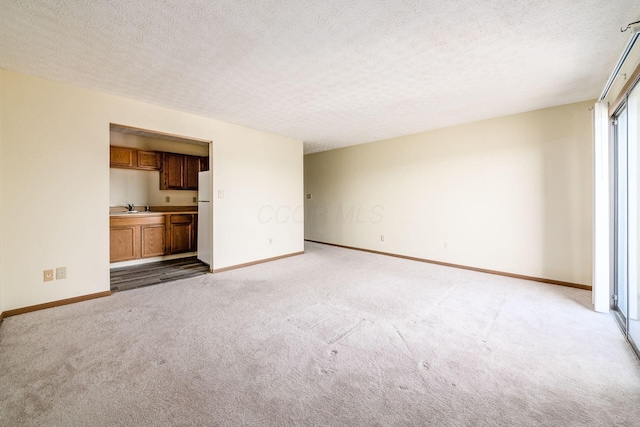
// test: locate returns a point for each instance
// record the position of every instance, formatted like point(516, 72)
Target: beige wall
point(143, 187)
point(511, 194)
point(54, 203)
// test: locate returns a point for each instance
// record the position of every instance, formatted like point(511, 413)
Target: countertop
point(151, 213)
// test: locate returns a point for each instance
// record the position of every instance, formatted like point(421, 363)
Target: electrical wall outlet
point(445, 245)
point(309, 196)
point(48, 275)
point(382, 237)
point(220, 194)
point(195, 199)
point(270, 241)
point(167, 199)
point(61, 273)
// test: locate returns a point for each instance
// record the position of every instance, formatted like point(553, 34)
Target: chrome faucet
point(131, 207)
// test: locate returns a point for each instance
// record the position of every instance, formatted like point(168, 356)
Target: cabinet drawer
point(134, 219)
point(181, 219)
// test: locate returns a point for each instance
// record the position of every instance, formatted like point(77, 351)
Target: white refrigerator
point(204, 217)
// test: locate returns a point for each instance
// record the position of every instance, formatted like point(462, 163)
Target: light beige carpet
point(330, 338)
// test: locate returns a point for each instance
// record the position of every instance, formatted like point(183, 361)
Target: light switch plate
point(61, 273)
point(220, 194)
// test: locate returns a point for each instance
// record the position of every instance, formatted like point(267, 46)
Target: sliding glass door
point(633, 217)
point(625, 295)
point(619, 294)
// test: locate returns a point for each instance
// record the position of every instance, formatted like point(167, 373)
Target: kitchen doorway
point(160, 209)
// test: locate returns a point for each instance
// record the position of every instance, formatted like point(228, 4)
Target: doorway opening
point(159, 206)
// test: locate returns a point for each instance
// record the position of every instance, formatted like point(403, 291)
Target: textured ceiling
point(331, 73)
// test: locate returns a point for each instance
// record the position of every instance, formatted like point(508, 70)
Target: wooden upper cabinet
point(172, 172)
point(204, 164)
point(132, 158)
point(149, 160)
point(179, 172)
point(192, 166)
point(122, 157)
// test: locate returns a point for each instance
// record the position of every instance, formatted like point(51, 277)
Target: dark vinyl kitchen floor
point(137, 276)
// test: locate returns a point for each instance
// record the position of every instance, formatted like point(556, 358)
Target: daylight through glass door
point(625, 292)
point(633, 217)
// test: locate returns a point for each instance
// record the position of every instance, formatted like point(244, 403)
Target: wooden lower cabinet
point(136, 237)
point(124, 243)
point(144, 236)
point(181, 230)
point(153, 240)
